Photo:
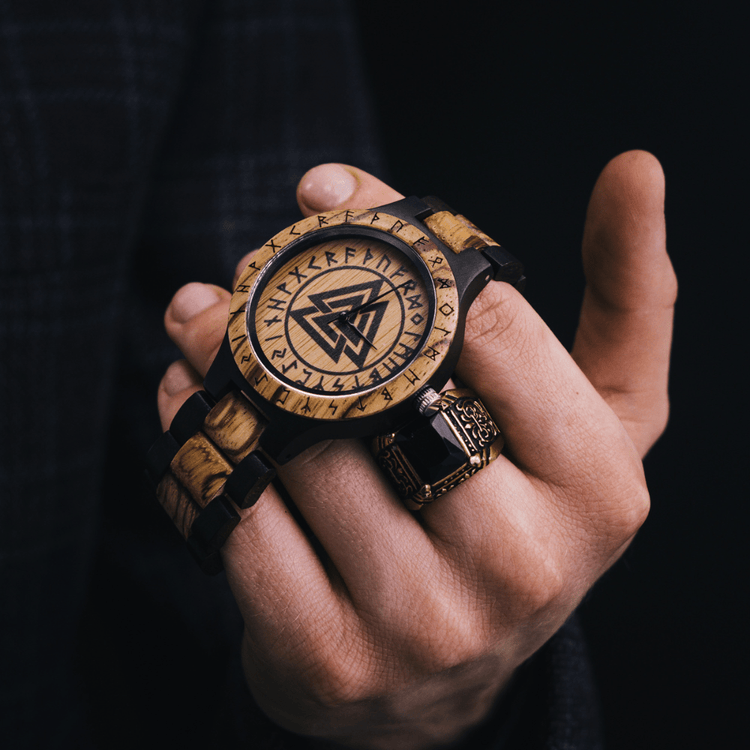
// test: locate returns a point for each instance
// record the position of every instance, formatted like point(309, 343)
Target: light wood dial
point(342, 316)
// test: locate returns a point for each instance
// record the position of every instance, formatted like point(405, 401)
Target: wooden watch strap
point(459, 234)
point(206, 466)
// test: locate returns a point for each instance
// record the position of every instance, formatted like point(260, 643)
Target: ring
point(452, 439)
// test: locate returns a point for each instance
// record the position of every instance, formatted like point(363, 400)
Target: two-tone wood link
point(451, 440)
point(206, 467)
point(459, 234)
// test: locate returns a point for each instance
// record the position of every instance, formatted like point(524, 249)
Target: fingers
point(281, 584)
point(196, 321)
point(268, 558)
point(364, 528)
point(567, 444)
point(625, 331)
point(370, 518)
point(330, 186)
point(575, 466)
point(345, 500)
point(196, 318)
point(557, 427)
point(179, 382)
point(545, 406)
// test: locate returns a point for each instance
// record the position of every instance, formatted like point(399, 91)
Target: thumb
point(330, 186)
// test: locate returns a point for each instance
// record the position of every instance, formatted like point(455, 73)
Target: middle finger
point(377, 546)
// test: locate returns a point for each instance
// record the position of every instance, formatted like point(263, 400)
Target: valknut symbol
point(335, 335)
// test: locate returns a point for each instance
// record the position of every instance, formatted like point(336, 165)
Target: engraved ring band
point(452, 439)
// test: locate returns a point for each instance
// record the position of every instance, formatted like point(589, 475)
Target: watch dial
point(342, 316)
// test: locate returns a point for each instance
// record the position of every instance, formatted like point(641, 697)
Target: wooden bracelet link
point(458, 233)
point(206, 467)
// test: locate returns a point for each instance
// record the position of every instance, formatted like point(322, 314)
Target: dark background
point(508, 112)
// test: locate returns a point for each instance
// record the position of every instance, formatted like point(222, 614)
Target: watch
point(338, 327)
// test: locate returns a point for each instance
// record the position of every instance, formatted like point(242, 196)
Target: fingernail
point(326, 186)
point(191, 300)
point(177, 378)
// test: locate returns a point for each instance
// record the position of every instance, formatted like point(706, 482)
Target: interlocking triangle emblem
point(332, 332)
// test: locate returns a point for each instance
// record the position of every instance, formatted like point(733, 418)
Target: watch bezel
point(385, 395)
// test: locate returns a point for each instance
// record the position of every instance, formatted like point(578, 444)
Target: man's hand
point(399, 630)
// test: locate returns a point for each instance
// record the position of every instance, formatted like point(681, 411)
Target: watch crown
point(427, 402)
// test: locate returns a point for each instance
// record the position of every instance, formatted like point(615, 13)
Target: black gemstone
point(432, 448)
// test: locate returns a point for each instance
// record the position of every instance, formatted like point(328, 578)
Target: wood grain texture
point(178, 504)
point(235, 426)
point(310, 351)
point(201, 468)
point(331, 406)
point(457, 232)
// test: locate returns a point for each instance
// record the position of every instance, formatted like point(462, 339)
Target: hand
point(376, 627)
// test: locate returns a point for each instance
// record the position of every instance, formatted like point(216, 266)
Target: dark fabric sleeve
point(86, 91)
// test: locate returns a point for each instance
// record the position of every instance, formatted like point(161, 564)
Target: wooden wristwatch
point(336, 327)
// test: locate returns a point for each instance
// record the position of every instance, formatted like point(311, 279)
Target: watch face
point(343, 315)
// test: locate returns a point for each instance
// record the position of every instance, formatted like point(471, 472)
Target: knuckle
point(513, 583)
point(526, 577)
point(439, 628)
point(533, 589)
point(616, 517)
point(634, 511)
point(331, 688)
point(627, 502)
point(335, 676)
point(455, 637)
point(493, 317)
